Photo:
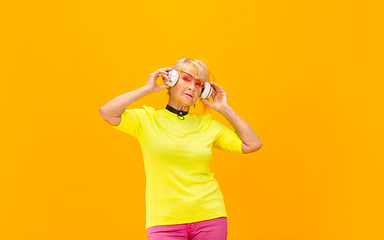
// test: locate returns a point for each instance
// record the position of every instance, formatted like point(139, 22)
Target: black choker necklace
point(180, 113)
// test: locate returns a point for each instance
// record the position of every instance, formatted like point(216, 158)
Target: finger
point(166, 69)
point(156, 74)
point(153, 76)
point(166, 78)
point(161, 70)
point(163, 86)
point(214, 87)
point(215, 84)
point(218, 88)
point(164, 75)
point(214, 95)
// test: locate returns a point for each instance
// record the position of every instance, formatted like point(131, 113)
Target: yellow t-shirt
point(180, 187)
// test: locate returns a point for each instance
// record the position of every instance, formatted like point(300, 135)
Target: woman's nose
point(192, 85)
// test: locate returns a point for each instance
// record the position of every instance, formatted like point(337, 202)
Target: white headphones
point(173, 76)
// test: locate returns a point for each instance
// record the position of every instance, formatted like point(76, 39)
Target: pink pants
point(213, 229)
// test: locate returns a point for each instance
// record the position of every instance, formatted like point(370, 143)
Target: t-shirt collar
point(180, 113)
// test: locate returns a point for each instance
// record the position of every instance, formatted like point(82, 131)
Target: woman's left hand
point(219, 97)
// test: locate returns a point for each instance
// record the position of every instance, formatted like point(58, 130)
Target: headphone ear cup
point(207, 91)
point(173, 76)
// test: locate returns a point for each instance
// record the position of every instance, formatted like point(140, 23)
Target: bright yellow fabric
point(180, 187)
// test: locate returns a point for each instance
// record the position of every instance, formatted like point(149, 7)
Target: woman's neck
point(179, 106)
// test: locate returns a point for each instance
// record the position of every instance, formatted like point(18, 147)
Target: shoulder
point(203, 119)
point(208, 122)
point(143, 113)
point(146, 110)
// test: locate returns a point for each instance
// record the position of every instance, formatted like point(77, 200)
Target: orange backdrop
point(306, 75)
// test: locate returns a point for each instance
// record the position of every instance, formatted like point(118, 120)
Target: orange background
point(306, 75)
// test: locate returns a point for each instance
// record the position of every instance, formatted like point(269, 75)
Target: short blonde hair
point(199, 66)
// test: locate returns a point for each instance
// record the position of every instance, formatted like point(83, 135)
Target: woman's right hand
point(151, 83)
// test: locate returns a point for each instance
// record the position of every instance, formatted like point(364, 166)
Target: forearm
point(117, 105)
point(242, 128)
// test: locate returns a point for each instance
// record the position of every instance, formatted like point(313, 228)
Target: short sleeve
point(132, 121)
point(226, 138)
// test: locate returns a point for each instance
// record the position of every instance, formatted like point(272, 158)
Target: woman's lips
point(189, 95)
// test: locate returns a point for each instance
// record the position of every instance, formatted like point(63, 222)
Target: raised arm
point(251, 142)
point(112, 110)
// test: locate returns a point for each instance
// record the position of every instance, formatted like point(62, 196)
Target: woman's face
point(184, 92)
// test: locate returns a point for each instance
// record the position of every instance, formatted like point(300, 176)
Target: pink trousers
point(213, 229)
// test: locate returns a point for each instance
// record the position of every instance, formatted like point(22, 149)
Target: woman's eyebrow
point(191, 75)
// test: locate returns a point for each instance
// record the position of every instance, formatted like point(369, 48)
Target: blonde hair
point(199, 66)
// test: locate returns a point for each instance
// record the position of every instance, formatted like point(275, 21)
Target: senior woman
point(183, 200)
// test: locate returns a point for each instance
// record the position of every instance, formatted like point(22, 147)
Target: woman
point(183, 200)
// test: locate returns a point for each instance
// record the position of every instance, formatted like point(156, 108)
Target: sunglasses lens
point(188, 78)
point(199, 83)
